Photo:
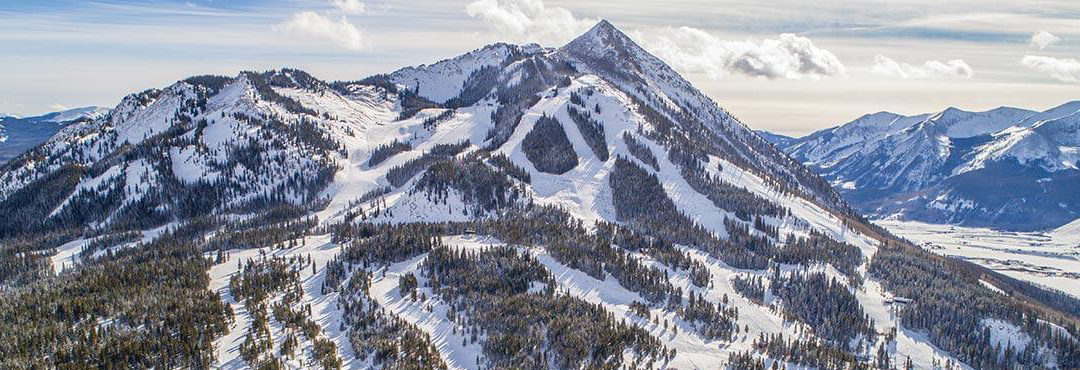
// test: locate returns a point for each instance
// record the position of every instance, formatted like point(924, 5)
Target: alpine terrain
point(1007, 168)
point(517, 206)
point(18, 135)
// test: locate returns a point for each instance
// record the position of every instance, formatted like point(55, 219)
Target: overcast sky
point(788, 66)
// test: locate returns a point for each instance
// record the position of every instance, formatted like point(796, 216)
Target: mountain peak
point(603, 26)
point(874, 117)
point(607, 51)
point(950, 111)
point(602, 34)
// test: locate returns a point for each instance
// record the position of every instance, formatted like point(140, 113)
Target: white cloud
point(789, 57)
point(687, 49)
point(352, 7)
point(931, 69)
point(1067, 70)
point(312, 25)
point(1043, 39)
point(955, 68)
point(56, 107)
point(528, 20)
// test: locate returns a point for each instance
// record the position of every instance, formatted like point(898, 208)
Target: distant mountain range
point(18, 135)
point(1006, 168)
point(779, 140)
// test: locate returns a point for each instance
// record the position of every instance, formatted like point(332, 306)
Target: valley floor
point(1050, 259)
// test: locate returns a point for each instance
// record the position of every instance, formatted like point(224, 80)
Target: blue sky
point(787, 66)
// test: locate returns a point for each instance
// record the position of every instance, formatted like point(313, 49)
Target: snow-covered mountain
point(1007, 168)
point(18, 135)
point(776, 139)
point(75, 114)
point(513, 207)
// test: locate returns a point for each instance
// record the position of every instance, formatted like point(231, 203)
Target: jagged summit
point(604, 48)
point(602, 33)
point(604, 26)
point(607, 51)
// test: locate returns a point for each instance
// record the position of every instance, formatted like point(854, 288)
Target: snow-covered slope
point(1068, 233)
point(959, 124)
point(202, 144)
point(1060, 111)
point(1005, 168)
point(612, 55)
point(1051, 145)
point(637, 216)
point(444, 80)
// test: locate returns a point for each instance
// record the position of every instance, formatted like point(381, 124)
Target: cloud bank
point(1066, 70)
point(787, 57)
point(686, 49)
point(314, 26)
point(931, 69)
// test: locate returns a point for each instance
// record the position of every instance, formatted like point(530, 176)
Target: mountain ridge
point(18, 134)
point(927, 167)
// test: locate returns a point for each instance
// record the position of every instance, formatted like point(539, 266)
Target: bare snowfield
point(1050, 259)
